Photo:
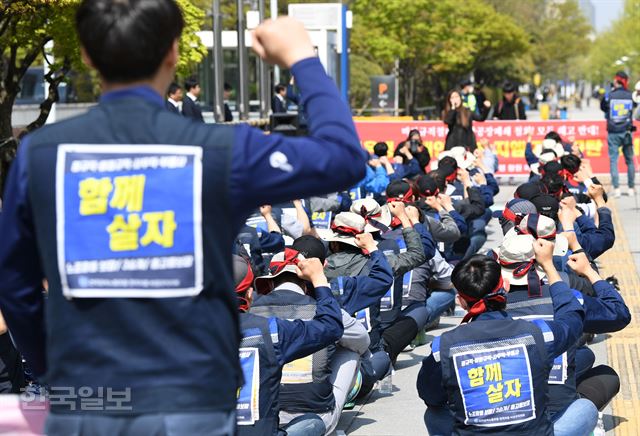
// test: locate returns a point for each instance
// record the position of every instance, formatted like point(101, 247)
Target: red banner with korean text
point(509, 138)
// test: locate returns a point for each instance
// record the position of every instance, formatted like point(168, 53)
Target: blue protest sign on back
point(496, 386)
point(129, 220)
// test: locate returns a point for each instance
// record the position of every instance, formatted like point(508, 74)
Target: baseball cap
point(283, 262)
point(546, 205)
point(529, 190)
point(310, 247)
point(515, 252)
point(516, 209)
point(540, 226)
point(427, 187)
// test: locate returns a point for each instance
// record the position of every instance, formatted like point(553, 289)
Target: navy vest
point(257, 408)
point(305, 385)
point(562, 377)
point(495, 374)
point(392, 243)
point(159, 354)
point(619, 117)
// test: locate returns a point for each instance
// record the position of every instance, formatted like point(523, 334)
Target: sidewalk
point(402, 413)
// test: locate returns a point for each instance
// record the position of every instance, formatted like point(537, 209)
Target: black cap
point(397, 188)
point(553, 167)
point(310, 247)
point(529, 190)
point(508, 87)
point(427, 186)
point(546, 205)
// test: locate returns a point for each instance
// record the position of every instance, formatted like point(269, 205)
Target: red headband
point(290, 258)
point(623, 81)
point(429, 194)
point(407, 198)
point(498, 295)
point(452, 177)
point(242, 287)
point(346, 230)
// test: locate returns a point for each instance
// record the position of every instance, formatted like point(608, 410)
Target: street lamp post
point(263, 73)
point(218, 66)
point(243, 86)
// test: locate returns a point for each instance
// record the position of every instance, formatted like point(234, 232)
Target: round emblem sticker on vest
point(129, 220)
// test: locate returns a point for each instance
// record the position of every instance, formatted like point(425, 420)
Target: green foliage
point(360, 85)
point(437, 41)
point(621, 40)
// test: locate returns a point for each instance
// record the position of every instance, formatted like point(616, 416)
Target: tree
point(360, 84)
point(558, 33)
point(435, 41)
point(26, 28)
point(618, 48)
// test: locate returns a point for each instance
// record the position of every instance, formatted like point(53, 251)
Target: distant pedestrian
point(511, 106)
point(279, 100)
point(618, 110)
point(190, 108)
point(228, 116)
point(174, 99)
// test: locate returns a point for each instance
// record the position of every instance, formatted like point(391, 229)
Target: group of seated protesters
point(332, 289)
point(328, 306)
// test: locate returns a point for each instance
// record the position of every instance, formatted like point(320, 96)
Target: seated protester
point(335, 203)
point(260, 242)
point(431, 287)
point(528, 190)
point(268, 344)
point(467, 199)
point(364, 283)
point(376, 178)
point(514, 211)
point(471, 204)
point(308, 385)
point(571, 165)
point(607, 314)
point(594, 240)
point(552, 142)
point(344, 260)
point(404, 165)
point(491, 375)
point(441, 218)
point(416, 148)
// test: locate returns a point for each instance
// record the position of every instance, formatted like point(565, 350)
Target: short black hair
point(127, 40)
point(477, 277)
point(571, 163)
point(555, 136)
point(191, 83)
point(508, 87)
point(310, 247)
point(381, 149)
point(280, 88)
point(173, 88)
point(227, 87)
point(440, 178)
point(554, 183)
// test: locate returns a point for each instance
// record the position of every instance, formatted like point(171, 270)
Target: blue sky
point(606, 12)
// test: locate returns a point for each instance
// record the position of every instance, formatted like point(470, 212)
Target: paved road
point(402, 412)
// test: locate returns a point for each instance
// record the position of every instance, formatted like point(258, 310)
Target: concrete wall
point(26, 113)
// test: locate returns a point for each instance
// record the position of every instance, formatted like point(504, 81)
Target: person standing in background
point(279, 100)
point(174, 99)
point(190, 107)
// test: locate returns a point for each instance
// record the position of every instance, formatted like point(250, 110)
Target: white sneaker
point(617, 193)
point(631, 192)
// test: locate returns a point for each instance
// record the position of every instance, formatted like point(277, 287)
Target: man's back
point(143, 338)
